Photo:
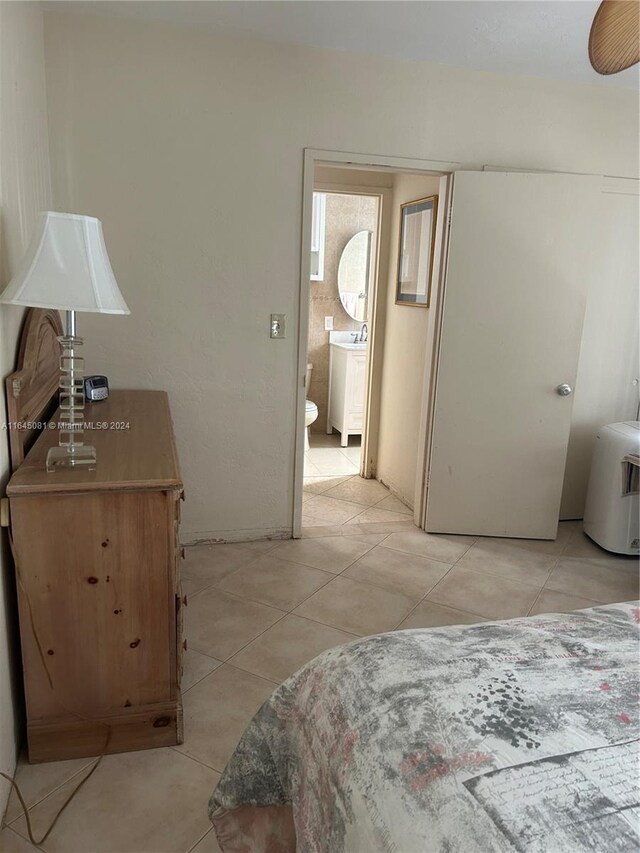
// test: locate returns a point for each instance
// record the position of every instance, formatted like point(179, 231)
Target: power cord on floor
point(80, 716)
point(25, 808)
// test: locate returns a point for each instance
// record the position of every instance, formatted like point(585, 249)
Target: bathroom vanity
point(347, 377)
point(348, 350)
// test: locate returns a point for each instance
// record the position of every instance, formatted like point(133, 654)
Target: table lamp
point(66, 267)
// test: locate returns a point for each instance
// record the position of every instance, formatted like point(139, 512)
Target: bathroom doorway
point(345, 229)
point(345, 245)
point(359, 466)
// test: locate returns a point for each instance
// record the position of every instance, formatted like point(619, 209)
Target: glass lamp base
point(71, 456)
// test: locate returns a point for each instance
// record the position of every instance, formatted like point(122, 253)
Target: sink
point(354, 346)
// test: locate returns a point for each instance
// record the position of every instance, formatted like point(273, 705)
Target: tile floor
point(258, 611)
point(335, 494)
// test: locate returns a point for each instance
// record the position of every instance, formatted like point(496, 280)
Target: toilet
point(310, 410)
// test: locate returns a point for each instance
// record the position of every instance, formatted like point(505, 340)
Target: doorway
point(391, 365)
point(346, 239)
point(346, 229)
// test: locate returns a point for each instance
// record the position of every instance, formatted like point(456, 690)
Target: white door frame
point(312, 157)
point(445, 194)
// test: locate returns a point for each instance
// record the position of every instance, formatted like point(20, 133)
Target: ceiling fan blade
point(614, 40)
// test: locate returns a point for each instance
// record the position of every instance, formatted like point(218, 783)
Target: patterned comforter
point(502, 736)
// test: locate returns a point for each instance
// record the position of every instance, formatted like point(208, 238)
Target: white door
point(518, 268)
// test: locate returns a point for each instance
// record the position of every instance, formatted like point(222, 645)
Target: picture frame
point(415, 251)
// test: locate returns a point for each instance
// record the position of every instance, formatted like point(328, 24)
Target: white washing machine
point(612, 510)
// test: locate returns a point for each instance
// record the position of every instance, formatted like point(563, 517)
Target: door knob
point(564, 390)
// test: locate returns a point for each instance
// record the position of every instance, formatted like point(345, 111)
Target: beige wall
point(405, 348)
point(189, 147)
point(24, 192)
point(345, 216)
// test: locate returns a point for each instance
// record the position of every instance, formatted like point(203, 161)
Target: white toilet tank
point(308, 383)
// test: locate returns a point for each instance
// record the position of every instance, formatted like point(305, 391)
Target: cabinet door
point(357, 378)
point(96, 582)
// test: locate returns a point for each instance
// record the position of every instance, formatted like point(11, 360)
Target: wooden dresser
point(98, 585)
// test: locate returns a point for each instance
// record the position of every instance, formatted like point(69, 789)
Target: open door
point(519, 261)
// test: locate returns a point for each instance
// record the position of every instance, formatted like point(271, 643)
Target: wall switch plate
point(328, 324)
point(278, 329)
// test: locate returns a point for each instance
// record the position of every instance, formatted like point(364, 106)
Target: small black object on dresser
point(96, 387)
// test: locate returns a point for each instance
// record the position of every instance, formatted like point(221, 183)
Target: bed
point(503, 736)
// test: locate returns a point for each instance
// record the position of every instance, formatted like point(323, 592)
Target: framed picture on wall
point(415, 251)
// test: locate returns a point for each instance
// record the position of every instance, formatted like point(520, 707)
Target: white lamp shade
point(66, 267)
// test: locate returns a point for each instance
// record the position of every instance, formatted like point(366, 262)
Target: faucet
point(364, 333)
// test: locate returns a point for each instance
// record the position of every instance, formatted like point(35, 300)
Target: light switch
point(328, 324)
point(278, 325)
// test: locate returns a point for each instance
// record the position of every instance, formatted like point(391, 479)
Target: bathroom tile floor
point(257, 612)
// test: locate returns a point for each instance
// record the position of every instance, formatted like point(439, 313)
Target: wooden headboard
point(32, 390)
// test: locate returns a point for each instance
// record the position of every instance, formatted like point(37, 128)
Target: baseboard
point(130, 730)
point(216, 537)
point(395, 493)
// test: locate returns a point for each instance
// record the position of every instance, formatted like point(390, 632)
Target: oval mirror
point(354, 272)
